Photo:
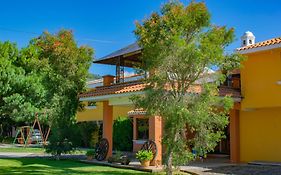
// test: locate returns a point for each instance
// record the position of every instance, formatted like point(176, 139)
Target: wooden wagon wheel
point(102, 149)
point(150, 146)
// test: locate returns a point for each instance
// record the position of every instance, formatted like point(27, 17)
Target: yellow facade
point(260, 135)
point(97, 113)
point(91, 114)
point(121, 111)
point(259, 76)
point(260, 115)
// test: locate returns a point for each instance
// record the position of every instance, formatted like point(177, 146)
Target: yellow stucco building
point(254, 132)
point(260, 115)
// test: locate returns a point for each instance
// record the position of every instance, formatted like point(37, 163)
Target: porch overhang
point(128, 57)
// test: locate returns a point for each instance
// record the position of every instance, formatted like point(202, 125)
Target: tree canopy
point(179, 45)
point(46, 76)
point(22, 93)
point(65, 68)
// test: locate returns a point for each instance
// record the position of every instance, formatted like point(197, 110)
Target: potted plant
point(144, 156)
point(90, 154)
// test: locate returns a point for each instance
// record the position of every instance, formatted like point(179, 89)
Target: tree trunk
point(170, 157)
point(170, 164)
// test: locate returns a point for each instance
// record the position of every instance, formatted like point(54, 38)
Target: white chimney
point(247, 39)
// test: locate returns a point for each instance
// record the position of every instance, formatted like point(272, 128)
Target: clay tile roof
point(139, 86)
point(115, 89)
point(261, 44)
point(138, 111)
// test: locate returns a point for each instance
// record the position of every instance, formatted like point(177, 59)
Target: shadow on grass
point(36, 166)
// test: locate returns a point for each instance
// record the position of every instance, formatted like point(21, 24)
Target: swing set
point(27, 135)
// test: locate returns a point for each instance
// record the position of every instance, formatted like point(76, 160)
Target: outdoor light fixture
point(278, 82)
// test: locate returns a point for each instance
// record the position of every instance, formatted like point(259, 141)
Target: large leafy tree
point(21, 92)
point(46, 76)
point(65, 70)
point(179, 44)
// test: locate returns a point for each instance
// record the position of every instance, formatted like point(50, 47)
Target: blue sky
point(108, 25)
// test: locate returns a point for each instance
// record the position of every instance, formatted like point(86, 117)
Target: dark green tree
point(64, 69)
point(21, 92)
point(92, 76)
point(179, 44)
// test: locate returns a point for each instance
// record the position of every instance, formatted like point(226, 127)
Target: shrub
point(120, 158)
point(91, 152)
point(89, 133)
point(62, 140)
point(56, 148)
point(115, 157)
point(143, 155)
point(6, 139)
point(123, 134)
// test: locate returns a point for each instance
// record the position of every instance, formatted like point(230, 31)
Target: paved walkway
point(17, 154)
point(220, 166)
point(21, 155)
point(206, 165)
point(3, 145)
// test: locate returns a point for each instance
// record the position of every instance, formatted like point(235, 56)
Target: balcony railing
point(95, 83)
point(99, 82)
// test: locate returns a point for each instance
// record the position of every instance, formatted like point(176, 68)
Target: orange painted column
point(234, 136)
point(135, 146)
point(155, 134)
point(134, 128)
point(108, 125)
point(108, 116)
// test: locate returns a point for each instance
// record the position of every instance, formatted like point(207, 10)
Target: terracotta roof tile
point(261, 44)
point(139, 86)
point(115, 89)
point(139, 111)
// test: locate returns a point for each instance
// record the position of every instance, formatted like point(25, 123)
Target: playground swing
point(27, 135)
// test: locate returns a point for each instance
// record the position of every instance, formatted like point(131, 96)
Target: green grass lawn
point(23, 150)
point(33, 150)
point(36, 166)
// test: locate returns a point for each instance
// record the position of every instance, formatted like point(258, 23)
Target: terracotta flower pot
point(145, 163)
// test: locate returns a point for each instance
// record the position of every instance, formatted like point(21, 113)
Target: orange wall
point(259, 76)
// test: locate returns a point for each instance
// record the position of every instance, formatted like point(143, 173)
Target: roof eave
point(259, 49)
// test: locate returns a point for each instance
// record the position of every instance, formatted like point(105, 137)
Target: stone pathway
point(222, 167)
point(245, 170)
